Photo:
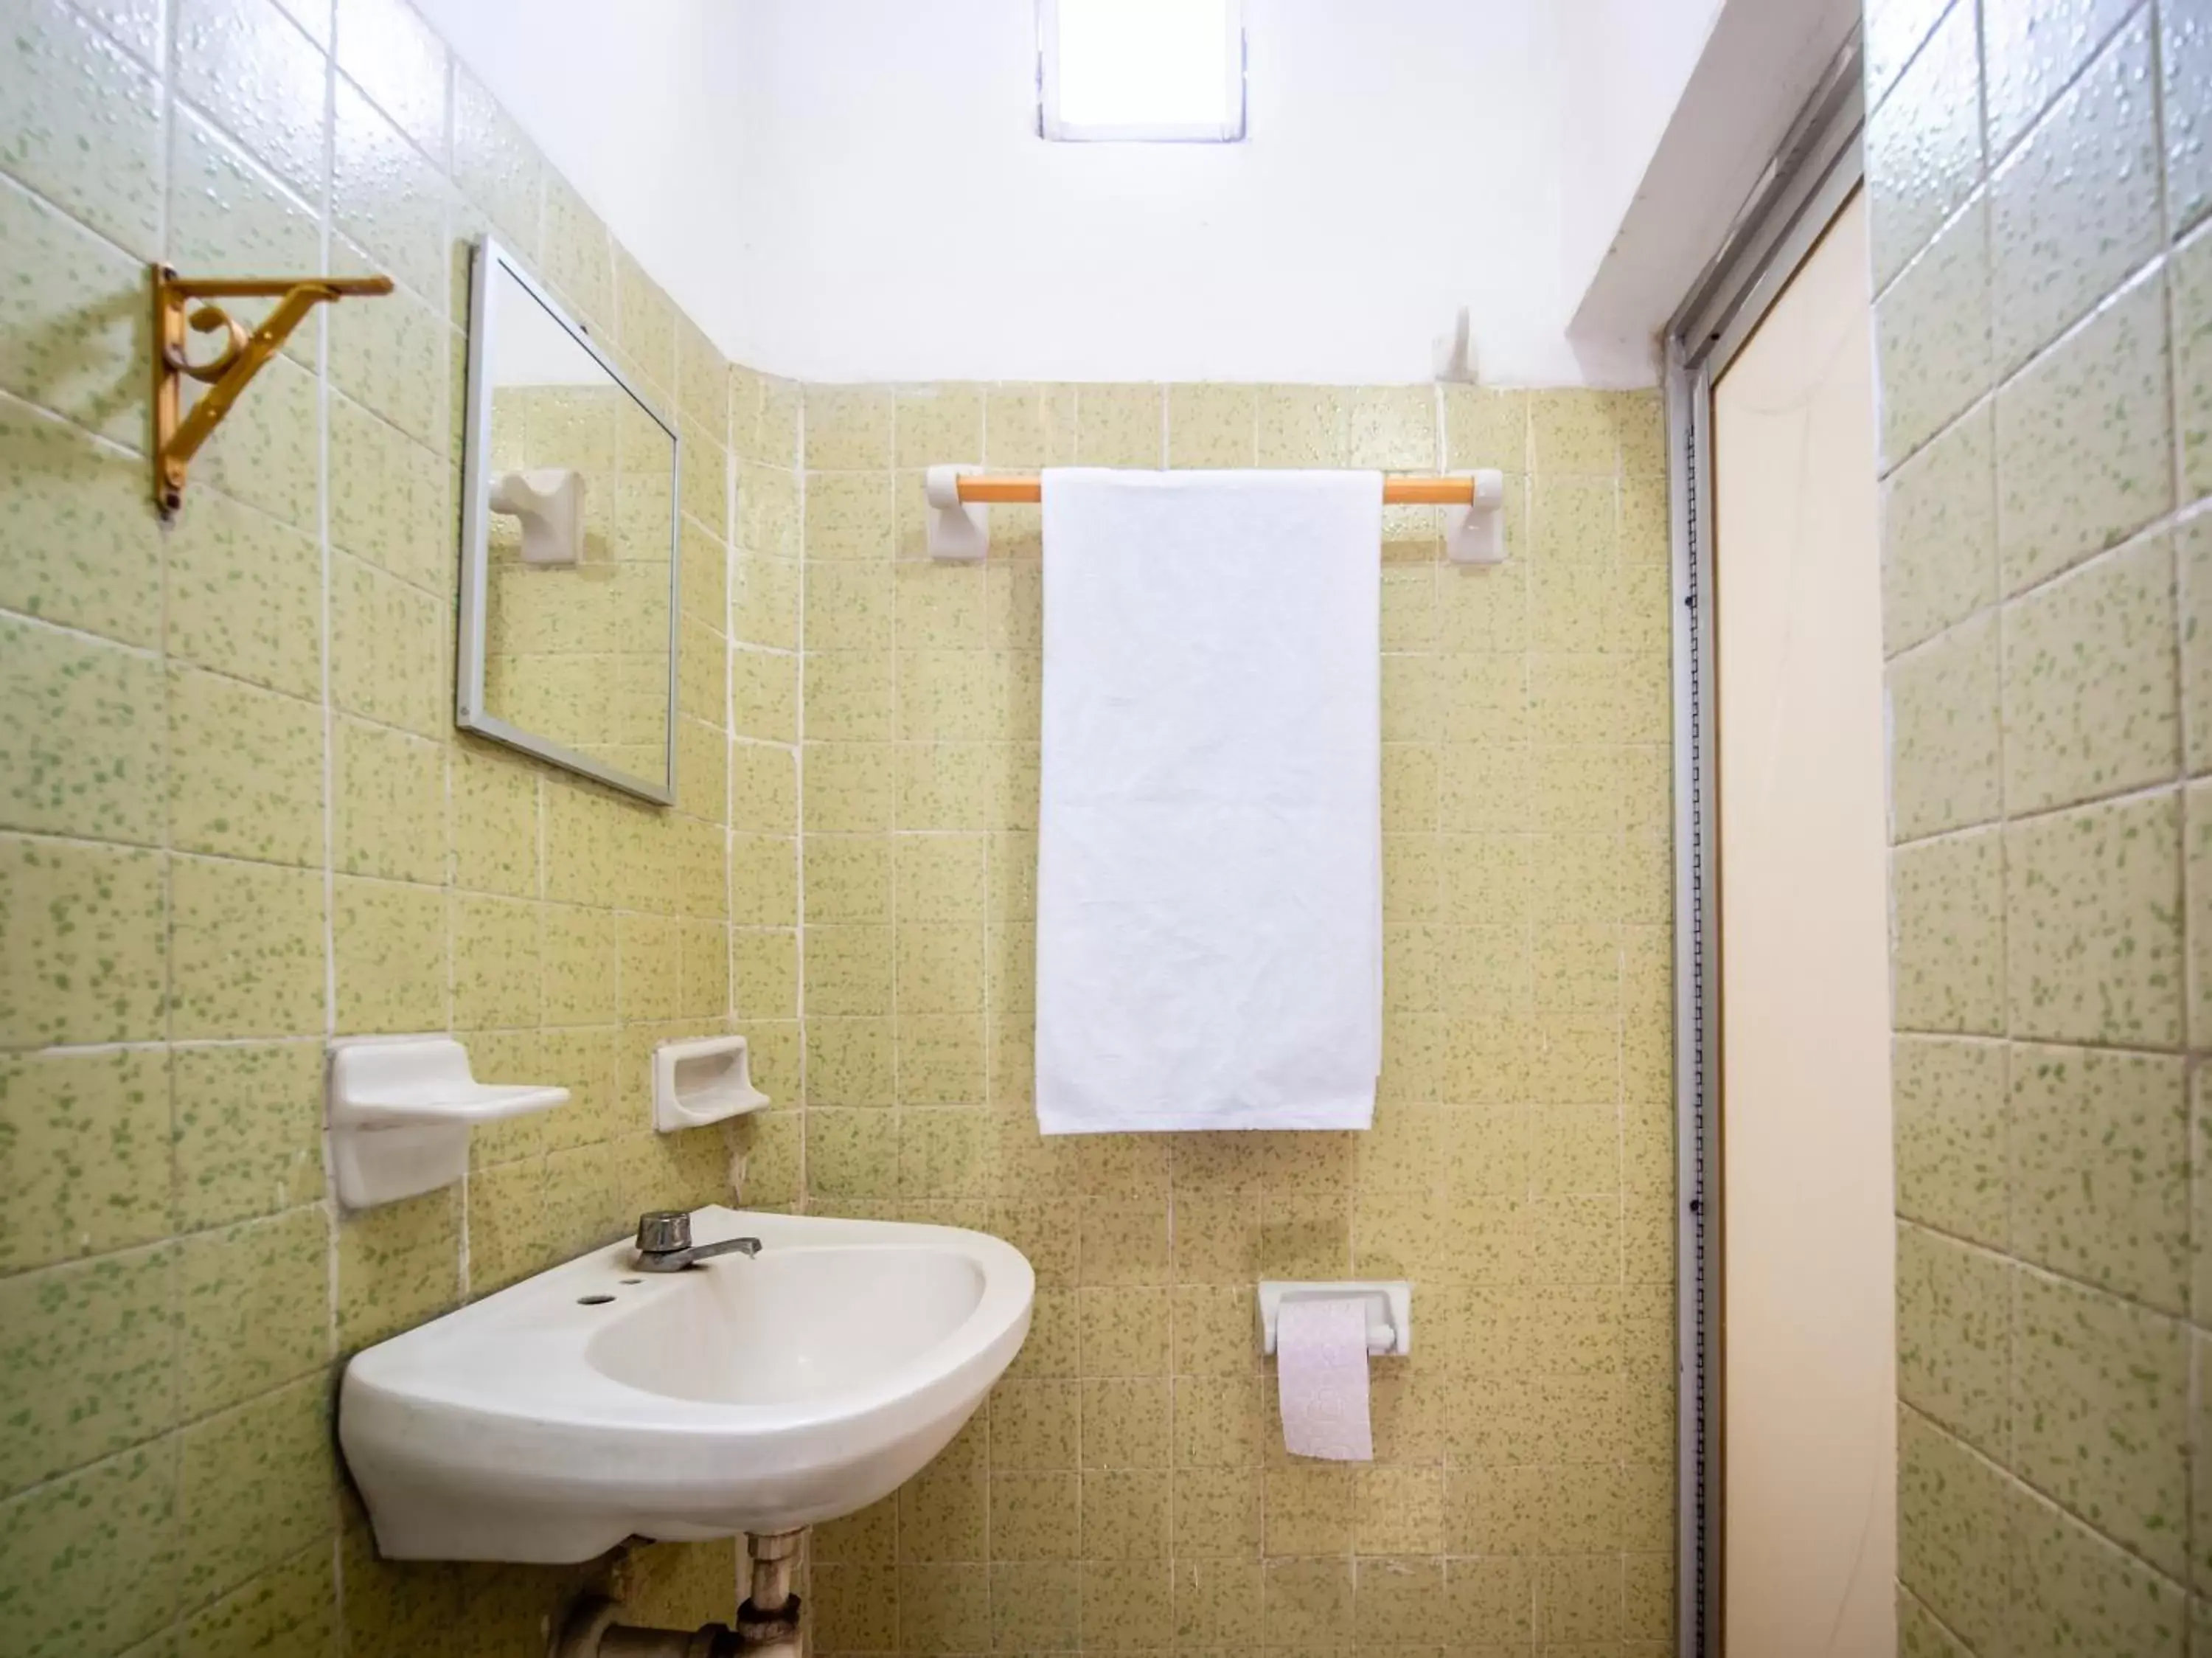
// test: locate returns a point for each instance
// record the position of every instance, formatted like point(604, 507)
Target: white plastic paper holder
point(1389, 1309)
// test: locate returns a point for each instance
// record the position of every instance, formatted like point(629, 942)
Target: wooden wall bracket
point(178, 435)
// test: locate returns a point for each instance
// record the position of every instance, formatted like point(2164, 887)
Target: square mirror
point(568, 577)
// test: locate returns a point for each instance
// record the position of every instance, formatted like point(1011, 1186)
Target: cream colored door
point(1807, 1291)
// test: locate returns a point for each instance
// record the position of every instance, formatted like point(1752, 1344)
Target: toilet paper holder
point(1389, 1309)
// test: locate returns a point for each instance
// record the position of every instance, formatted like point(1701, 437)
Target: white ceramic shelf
point(399, 1108)
point(706, 1080)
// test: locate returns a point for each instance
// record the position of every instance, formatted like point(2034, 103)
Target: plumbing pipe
point(768, 1622)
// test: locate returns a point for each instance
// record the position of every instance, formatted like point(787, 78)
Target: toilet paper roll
point(1320, 1370)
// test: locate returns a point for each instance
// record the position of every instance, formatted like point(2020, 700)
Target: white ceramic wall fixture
point(399, 1108)
point(594, 1402)
point(701, 1081)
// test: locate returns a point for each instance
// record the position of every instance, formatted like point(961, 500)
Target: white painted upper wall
point(854, 190)
point(1622, 73)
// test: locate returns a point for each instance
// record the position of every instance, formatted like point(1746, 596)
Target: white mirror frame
point(471, 714)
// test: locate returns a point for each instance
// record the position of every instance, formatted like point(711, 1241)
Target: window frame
point(1054, 127)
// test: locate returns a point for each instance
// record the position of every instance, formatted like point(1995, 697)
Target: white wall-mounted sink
point(593, 1402)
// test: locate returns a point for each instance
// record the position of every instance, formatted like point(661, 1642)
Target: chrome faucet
point(664, 1242)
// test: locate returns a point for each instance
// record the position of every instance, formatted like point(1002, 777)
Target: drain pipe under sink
point(768, 1622)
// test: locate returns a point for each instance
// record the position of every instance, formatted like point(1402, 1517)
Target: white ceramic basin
point(546, 1424)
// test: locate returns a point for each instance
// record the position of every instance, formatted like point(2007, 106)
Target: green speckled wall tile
point(1952, 1510)
point(391, 500)
point(1301, 426)
point(258, 1483)
point(2190, 274)
point(495, 165)
point(1932, 334)
point(2033, 49)
point(398, 1267)
point(389, 198)
point(86, 960)
point(134, 25)
point(2185, 56)
point(248, 1134)
point(388, 647)
point(509, 1227)
point(1948, 948)
point(1393, 428)
point(2100, 399)
point(1485, 427)
point(227, 211)
point(2074, 1593)
point(247, 66)
point(81, 742)
point(389, 804)
point(494, 801)
point(245, 771)
point(1213, 425)
point(392, 355)
point(2091, 674)
point(497, 984)
point(255, 1308)
point(1939, 534)
point(2093, 928)
point(85, 1140)
point(74, 318)
point(247, 949)
point(1028, 426)
point(2075, 208)
point(1944, 770)
point(89, 1361)
point(1950, 1109)
point(245, 596)
point(1924, 144)
point(291, 1608)
point(936, 424)
point(2100, 1414)
point(1920, 1634)
point(89, 1563)
point(1120, 425)
point(2100, 1169)
point(83, 549)
point(390, 941)
point(104, 170)
point(388, 49)
point(267, 453)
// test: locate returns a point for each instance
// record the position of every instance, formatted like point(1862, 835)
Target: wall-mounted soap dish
point(703, 1081)
point(400, 1109)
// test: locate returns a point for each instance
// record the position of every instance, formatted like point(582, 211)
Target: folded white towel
point(1210, 844)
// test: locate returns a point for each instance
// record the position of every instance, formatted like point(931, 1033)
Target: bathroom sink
point(594, 1402)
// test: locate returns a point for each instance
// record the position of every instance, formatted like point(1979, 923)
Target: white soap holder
point(399, 1108)
point(1475, 533)
point(703, 1081)
point(1389, 1309)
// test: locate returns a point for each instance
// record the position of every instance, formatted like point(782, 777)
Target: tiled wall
point(579, 652)
point(2040, 178)
point(235, 820)
point(1125, 1488)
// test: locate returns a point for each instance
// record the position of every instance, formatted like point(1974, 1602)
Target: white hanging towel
point(1210, 839)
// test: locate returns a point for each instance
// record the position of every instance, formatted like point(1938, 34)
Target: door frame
point(1819, 165)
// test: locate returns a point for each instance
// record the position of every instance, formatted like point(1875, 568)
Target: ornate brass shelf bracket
point(177, 436)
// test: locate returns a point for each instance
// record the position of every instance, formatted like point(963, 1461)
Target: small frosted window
point(1141, 69)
